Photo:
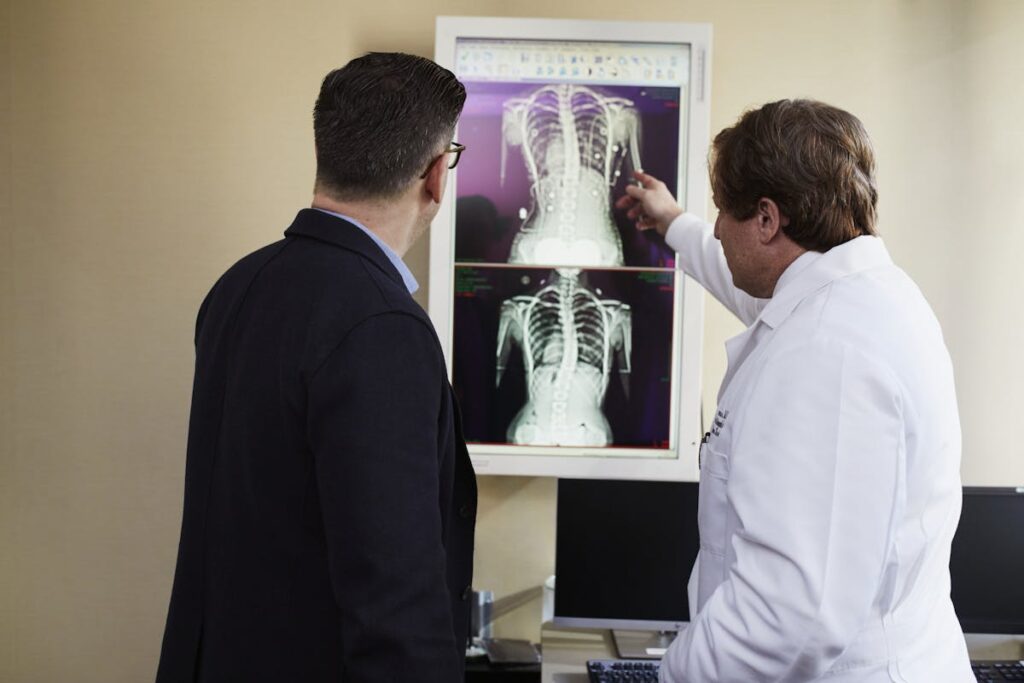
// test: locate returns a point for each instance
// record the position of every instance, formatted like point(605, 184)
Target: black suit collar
point(323, 226)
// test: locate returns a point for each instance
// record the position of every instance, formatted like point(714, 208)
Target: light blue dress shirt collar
point(407, 277)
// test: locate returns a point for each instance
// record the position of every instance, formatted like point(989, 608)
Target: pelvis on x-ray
point(573, 140)
point(572, 341)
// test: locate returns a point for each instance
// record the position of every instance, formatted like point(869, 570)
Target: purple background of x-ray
point(642, 420)
point(487, 212)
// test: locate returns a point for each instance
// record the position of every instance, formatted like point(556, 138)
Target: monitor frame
point(984, 626)
point(612, 623)
point(679, 462)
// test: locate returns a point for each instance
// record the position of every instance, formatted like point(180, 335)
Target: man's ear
point(770, 220)
point(437, 175)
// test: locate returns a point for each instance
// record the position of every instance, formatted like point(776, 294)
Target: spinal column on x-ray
point(570, 339)
point(574, 140)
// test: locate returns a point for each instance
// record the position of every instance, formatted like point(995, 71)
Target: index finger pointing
point(625, 201)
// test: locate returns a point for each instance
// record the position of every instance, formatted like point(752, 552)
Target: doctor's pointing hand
point(649, 203)
point(830, 486)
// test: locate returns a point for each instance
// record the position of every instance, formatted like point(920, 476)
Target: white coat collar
point(806, 275)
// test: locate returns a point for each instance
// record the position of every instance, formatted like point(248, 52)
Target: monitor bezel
point(680, 463)
point(976, 626)
point(619, 624)
point(610, 623)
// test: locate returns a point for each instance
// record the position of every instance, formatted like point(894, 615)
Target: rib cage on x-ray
point(573, 140)
point(570, 339)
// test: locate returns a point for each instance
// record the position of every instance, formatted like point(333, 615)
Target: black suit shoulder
point(331, 288)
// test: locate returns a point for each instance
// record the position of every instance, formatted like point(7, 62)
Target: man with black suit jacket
point(327, 532)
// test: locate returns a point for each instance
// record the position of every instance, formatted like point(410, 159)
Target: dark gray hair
point(379, 121)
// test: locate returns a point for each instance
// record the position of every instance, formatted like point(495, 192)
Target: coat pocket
point(712, 504)
point(712, 521)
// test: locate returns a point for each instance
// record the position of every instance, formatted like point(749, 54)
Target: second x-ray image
point(544, 164)
point(563, 357)
point(572, 341)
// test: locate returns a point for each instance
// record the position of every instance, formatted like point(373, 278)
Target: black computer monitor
point(623, 553)
point(987, 562)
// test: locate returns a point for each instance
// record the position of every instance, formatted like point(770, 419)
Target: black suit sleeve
point(374, 407)
point(204, 307)
point(201, 316)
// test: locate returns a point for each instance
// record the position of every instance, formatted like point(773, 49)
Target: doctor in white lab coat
point(829, 480)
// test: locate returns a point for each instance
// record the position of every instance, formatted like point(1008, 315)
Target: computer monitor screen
point(987, 562)
point(623, 554)
point(573, 338)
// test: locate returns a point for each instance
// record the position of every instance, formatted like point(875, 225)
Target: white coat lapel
point(808, 273)
point(737, 350)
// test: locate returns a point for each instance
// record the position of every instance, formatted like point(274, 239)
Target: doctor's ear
point(770, 220)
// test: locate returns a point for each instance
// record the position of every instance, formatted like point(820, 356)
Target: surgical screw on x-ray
point(574, 140)
point(570, 339)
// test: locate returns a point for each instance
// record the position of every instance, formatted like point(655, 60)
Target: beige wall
point(147, 145)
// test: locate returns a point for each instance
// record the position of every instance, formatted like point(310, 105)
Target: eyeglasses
point(454, 148)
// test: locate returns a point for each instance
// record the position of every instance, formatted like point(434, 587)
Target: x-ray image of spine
point(574, 140)
point(570, 339)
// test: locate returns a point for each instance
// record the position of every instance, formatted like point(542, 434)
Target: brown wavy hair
point(814, 160)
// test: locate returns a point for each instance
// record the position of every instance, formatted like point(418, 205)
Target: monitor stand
point(642, 644)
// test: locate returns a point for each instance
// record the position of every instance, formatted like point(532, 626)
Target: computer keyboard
point(998, 671)
point(623, 670)
point(646, 671)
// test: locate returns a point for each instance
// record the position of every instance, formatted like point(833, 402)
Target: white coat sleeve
point(815, 474)
point(702, 258)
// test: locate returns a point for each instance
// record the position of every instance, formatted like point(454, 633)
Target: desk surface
point(566, 651)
